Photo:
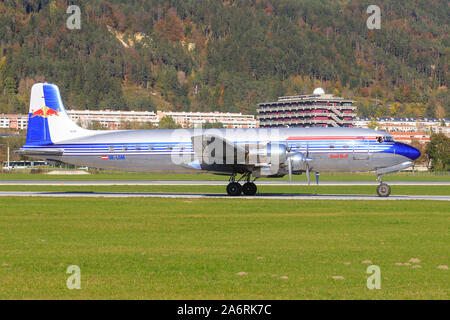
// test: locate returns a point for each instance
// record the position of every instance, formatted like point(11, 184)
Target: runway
point(274, 196)
point(206, 183)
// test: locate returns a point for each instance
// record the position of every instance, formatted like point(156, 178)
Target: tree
point(168, 123)
point(422, 148)
point(438, 152)
point(14, 142)
point(95, 125)
point(373, 124)
point(212, 125)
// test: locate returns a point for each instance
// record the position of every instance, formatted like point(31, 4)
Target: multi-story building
point(407, 129)
point(315, 110)
point(197, 119)
point(14, 121)
point(116, 119)
point(409, 137)
point(112, 120)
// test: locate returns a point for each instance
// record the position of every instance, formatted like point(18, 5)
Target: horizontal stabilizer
point(40, 152)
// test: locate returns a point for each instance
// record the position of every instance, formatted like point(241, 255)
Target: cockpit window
point(388, 139)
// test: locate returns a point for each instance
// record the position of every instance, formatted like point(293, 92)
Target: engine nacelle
point(298, 162)
point(271, 153)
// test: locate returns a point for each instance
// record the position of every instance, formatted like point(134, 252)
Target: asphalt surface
point(207, 182)
point(215, 196)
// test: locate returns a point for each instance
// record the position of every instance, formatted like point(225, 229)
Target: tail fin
point(48, 121)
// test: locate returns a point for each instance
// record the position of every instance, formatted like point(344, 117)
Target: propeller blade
point(307, 173)
point(290, 169)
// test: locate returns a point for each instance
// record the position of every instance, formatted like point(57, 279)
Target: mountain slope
point(227, 56)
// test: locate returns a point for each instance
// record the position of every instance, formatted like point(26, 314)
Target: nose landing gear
point(234, 188)
point(383, 189)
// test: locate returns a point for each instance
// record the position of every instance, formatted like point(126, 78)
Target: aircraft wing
point(212, 149)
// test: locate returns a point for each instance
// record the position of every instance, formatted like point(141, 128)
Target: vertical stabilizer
point(48, 121)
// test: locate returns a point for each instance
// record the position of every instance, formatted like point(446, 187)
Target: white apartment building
point(113, 120)
point(407, 129)
point(110, 119)
point(14, 121)
point(197, 119)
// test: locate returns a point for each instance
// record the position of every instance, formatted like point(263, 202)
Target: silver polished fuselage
point(332, 149)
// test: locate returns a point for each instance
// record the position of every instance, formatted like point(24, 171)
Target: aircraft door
point(361, 149)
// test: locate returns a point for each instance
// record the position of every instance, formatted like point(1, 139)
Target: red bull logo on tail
point(45, 112)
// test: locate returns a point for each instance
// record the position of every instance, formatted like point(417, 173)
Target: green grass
point(117, 175)
point(262, 189)
point(193, 249)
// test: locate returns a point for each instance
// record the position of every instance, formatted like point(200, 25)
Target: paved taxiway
point(274, 196)
point(206, 183)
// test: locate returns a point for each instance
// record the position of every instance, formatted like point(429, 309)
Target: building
point(197, 119)
point(113, 120)
point(14, 121)
point(407, 129)
point(315, 110)
point(409, 137)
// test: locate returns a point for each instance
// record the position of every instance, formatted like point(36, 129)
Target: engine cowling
point(269, 154)
point(298, 162)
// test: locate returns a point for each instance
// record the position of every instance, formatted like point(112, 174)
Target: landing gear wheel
point(249, 189)
point(383, 190)
point(234, 189)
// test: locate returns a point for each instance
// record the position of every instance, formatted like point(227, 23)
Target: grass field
point(262, 189)
point(221, 249)
point(117, 175)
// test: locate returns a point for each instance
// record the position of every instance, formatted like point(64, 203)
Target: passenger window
point(124, 148)
point(111, 148)
point(332, 146)
point(137, 148)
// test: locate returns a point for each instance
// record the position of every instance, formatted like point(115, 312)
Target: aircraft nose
point(407, 151)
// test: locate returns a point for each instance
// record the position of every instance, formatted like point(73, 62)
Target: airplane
point(243, 154)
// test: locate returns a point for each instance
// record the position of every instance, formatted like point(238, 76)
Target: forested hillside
point(208, 55)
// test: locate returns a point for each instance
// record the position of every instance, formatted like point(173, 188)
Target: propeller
point(307, 164)
point(306, 160)
point(288, 151)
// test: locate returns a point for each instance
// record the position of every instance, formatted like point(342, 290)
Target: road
point(273, 196)
point(206, 182)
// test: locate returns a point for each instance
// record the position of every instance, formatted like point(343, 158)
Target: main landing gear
point(235, 189)
point(383, 189)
